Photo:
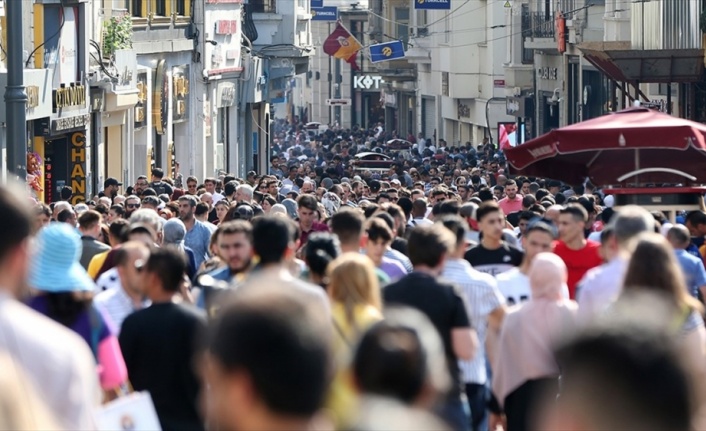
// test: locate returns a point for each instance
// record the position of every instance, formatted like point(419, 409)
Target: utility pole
point(15, 96)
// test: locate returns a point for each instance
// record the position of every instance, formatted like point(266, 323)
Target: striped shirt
point(393, 254)
point(117, 305)
point(482, 297)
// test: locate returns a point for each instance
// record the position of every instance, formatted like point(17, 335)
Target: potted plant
point(117, 34)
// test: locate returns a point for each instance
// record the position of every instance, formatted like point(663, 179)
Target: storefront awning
point(624, 64)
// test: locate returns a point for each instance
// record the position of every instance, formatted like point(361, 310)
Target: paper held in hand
point(131, 412)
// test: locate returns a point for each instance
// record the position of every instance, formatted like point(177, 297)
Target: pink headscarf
point(547, 277)
point(529, 332)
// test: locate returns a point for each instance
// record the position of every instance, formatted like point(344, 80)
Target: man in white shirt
point(210, 184)
point(486, 309)
point(128, 297)
point(56, 361)
point(514, 284)
point(602, 285)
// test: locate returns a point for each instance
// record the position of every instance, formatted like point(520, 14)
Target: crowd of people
point(442, 294)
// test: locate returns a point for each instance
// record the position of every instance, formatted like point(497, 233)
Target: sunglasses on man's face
point(133, 205)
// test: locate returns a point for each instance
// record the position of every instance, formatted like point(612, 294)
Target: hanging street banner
point(432, 4)
point(386, 51)
point(326, 13)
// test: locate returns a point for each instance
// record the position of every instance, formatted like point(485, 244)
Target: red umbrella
point(638, 144)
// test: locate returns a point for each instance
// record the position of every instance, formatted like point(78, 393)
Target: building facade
point(460, 55)
point(280, 42)
point(335, 93)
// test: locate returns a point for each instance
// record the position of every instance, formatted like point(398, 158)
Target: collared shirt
point(482, 297)
point(118, 305)
point(401, 258)
point(198, 239)
point(315, 227)
point(420, 221)
point(693, 270)
point(600, 287)
point(276, 171)
point(511, 205)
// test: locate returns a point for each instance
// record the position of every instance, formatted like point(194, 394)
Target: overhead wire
point(449, 14)
point(522, 31)
point(543, 23)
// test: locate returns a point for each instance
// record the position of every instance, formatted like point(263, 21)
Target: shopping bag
point(133, 412)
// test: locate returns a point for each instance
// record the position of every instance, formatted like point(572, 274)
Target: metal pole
point(337, 86)
point(15, 96)
point(330, 83)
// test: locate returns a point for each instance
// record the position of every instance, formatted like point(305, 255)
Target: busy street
point(433, 291)
point(321, 215)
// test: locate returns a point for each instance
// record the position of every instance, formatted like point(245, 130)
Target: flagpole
point(330, 82)
point(337, 86)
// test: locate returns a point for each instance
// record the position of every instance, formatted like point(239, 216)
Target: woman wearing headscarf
point(291, 206)
point(525, 365)
point(174, 234)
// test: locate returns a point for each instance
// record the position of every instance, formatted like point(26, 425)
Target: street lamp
point(15, 96)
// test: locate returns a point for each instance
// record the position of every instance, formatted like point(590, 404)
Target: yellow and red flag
point(341, 44)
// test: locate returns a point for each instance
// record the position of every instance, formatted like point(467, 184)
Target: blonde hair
point(352, 281)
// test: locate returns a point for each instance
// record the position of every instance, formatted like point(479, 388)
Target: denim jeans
point(454, 412)
point(477, 401)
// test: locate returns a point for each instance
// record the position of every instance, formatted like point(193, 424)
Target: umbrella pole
point(637, 164)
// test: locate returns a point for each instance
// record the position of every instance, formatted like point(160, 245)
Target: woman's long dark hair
point(65, 307)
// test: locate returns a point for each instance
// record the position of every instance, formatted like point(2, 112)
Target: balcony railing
point(537, 25)
point(263, 6)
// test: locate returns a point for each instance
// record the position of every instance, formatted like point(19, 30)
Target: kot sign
point(366, 82)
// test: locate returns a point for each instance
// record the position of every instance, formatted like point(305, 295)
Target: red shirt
point(510, 206)
point(578, 262)
point(316, 227)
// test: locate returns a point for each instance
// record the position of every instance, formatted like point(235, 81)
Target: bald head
point(679, 236)
point(553, 213)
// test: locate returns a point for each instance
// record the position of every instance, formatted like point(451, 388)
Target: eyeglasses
point(140, 265)
point(133, 205)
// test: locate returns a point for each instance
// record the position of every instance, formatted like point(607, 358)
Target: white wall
point(473, 54)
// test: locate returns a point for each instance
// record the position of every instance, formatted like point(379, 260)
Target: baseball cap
point(110, 181)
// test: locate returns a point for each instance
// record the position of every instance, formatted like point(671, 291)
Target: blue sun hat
point(55, 265)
